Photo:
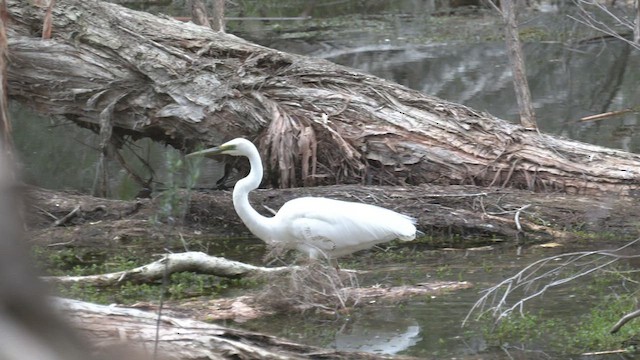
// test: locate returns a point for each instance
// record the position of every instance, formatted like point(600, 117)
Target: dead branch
point(63, 220)
point(535, 279)
point(607, 114)
point(592, 10)
point(188, 261)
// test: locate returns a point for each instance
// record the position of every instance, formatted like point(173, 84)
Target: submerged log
point(316, 122)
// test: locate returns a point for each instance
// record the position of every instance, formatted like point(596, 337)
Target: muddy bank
point(470, 215)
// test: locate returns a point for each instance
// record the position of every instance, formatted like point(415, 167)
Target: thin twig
point(516, 218)
point(63, 220)
point(606, 115)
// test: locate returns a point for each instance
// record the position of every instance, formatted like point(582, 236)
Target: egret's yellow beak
point(218, 150)
point(207, 152)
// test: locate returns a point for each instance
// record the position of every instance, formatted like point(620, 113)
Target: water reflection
point(383, 332)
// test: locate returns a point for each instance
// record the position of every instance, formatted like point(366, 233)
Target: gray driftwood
point(185, 339)
point(109, 68)
point(193, 261)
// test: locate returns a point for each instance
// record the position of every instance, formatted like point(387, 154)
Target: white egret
point(312, 225)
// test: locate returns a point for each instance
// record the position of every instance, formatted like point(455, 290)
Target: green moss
point(82, 262)
point(180, 286)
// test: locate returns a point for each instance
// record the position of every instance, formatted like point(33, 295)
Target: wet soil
point(465, 216)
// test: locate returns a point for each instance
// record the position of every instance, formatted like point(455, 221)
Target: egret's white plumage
point(315, 226)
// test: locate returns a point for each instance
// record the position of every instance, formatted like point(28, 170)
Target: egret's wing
point(338, 227)
point(315, 233)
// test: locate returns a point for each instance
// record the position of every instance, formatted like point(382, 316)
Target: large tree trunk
point(316, 122)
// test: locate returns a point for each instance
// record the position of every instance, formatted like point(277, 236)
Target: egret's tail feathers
point(409, 232)
point(407, 237)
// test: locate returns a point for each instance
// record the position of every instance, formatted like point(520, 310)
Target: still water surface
point(430, 326)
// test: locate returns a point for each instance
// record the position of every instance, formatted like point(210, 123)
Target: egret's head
point(235, 147)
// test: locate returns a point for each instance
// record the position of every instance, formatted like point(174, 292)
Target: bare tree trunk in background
point(514, 50)
point(5, 122)
point(218, 16)
point(199, 13)
point(636, 28)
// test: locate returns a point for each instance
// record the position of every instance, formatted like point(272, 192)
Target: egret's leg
point(334, 263)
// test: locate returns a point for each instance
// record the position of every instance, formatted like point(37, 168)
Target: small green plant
point(173, 202)
point(563, 335)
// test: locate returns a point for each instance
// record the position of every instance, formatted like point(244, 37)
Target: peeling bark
point(187, 85)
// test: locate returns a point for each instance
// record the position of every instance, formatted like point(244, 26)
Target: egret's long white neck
point(258, 224)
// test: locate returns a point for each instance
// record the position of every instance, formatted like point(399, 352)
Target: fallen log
point(127, 73)
point(314, 286)
point(193, 261)
point(112, 327)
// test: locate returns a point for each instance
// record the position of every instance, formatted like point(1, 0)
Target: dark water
point(430, 326)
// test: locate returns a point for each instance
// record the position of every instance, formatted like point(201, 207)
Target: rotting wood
point(187, 85)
